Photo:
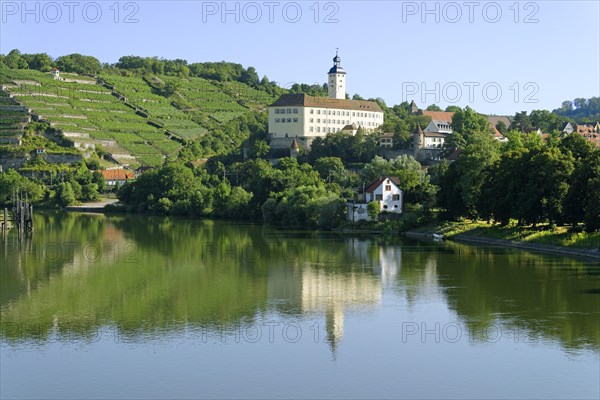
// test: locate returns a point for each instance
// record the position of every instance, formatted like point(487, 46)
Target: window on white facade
point(395, 197)
point(312, 111)
point(289, 120)
point(318, 129)
point(295, 119)
point(388, 188)
point(379, 197)
point(289, 110)
point(310, 129)
point(311, 120)
point(276, 119)
point(295, 111)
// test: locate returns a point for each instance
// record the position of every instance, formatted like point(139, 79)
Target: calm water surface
point(140, 307)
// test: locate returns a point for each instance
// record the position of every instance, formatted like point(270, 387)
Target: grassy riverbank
point(543, 234)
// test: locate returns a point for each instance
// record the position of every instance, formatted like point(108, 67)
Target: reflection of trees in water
point(531, 295)
point(57, 240)
point(210, 274)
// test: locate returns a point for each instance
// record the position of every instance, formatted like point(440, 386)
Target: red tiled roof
point(454, 155)
point(439, 115)
point(325, 102)
point(582, 129)
point(375, 184)
point(116, 174)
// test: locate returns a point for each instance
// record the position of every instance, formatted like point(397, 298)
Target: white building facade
point(304, 118)
point(387, 193)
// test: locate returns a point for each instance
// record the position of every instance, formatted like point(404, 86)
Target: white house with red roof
point(385, 191)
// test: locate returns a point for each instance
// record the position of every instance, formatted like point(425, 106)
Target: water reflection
point(150, 276)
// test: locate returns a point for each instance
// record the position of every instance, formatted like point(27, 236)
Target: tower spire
point(337, 78)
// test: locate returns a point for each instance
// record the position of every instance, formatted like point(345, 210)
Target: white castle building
point(304, 118)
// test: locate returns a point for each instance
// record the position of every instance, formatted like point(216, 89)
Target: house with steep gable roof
point(117, 175)
point(385, 191)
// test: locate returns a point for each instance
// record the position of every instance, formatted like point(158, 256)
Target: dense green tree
point(40, 61)
point(461, 186)
point(331, 169)
point(78, 63)
point(452, 109)
point(15, 60)
point(11, 182)
point(65, 195)
point(468, 122)
point(259, 148)
point(521, 122)
point(592, 207)
point(373, 210)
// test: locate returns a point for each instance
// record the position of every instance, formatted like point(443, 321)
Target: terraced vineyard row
point(88, 114)
point(128, 115)
point(13, 119)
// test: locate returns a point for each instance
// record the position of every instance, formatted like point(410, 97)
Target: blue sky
point(497, 57)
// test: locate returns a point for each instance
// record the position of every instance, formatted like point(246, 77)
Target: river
point(96, 306)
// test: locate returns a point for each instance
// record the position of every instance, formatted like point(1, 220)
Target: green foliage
point(461, 186)
point(468, 122)
point(259, 148)
point(79, 64)
point(350, 148)
point(12, 182)
point(373, 210)
point(65, 195)
point(580, 110)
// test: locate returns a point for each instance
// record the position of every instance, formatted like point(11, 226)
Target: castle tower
point(337, 80)
point(294, 149)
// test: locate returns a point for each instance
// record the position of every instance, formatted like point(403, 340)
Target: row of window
point(286, 111)
point(330, 121)
point(379, 197)
point(327, 121)
point(347, 113)
point(331, 112)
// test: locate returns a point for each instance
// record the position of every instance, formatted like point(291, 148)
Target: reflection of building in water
point(111, 247)
point(385, 260)
point(357, 281)
point(333, 292)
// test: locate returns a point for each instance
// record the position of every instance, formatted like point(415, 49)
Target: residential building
point(568, 128)
point(385, 191)
point(386, 140)
point(117, 175)
point(441, 121)
point(427, 145)
point(591, 132)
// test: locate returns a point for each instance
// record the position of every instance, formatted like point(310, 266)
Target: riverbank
point(558, 240)
point(97, 207)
